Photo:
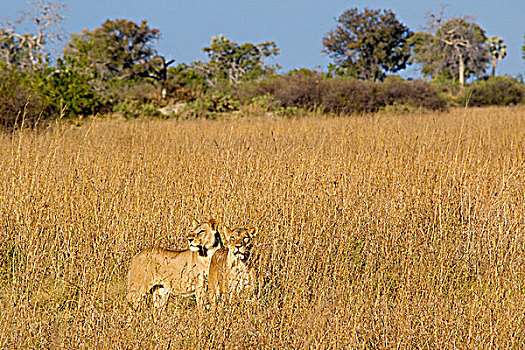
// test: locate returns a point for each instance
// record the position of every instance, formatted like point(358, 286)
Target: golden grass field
point(375, 232)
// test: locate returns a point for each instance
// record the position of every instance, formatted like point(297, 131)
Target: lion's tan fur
point(229, 272)
point(162, 272)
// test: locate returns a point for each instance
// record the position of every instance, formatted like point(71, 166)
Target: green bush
point(130, 109)
point(19, 102)
point(52, 92)
point(261, 104)
point(447, 87)
point(210, 105)
point(500, 91)
point(68, 93)
point(183, 84)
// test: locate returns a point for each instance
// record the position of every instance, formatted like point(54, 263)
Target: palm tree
point(498, 51)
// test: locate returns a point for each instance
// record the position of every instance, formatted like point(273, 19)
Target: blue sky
point(297, 26)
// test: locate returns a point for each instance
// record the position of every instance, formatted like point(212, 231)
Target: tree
point(368, 44)
point(119, 49)
point(28, 51)
point(16, 50)
point(455, 47)
point(47, 16)
point(498, 51)
point(523, 49)
point(231, 63)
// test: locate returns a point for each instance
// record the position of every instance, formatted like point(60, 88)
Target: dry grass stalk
point(375, 232)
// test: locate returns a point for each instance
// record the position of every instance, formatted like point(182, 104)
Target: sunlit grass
point(380, 231)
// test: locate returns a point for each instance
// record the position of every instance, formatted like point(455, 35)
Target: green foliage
point(19, 102)
point(116, 68)
point(523, 48)
point(117, 61)
point(211, 105)
point(120, 64)
point(230, 63)
point(368, 44)
point(262, 104)
point(502, 91)
point(18, 51)
point(447, 87)
point(184, 83)
point(118, 49)
point(68, 93)
point(339, 71)
point(268, 105)
point(133, 109)
point(498, 51)
point(457, 47)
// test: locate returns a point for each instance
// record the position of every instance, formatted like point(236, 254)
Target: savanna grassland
point(375, 232)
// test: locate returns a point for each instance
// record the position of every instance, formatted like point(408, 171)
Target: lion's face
point(239, 241)
point(204, 236)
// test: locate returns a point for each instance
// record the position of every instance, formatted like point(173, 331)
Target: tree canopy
point(231, 62)
point(368, 44)
point(523, 49)
point(118, 49)
point(457, 48)
point(16, 50)
point(116, 68)
point(27, 51)
point(498, 51)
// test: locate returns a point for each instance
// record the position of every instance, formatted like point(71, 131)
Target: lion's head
point(204, 236)
point(239, 241)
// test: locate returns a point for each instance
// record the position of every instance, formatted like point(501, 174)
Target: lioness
point(229, 271)
point(181, 272)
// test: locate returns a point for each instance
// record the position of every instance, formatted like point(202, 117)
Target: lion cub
point(229, 271)
point(180, 272)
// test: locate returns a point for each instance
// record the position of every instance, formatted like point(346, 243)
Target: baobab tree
point(456, 46)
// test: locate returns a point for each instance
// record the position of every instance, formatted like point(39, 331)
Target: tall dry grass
point(376, 232)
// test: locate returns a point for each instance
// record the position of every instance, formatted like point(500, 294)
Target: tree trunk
point(461, 70)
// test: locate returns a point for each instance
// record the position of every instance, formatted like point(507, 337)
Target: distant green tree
point(184, 83)
point(19, 102)
point(498, 51)
point(368, 44)
point(230, 63)
point(67, 92)
point(523, 49)
point(119, 49)
point(455, 47)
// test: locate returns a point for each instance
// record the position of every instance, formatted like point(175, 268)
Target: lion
point(229, 271)
point(163, 272)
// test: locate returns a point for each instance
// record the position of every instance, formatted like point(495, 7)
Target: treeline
point(115, 69)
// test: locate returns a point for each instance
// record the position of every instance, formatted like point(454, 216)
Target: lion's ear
point(252, 231)
point(213, 224)
point(195, 223)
